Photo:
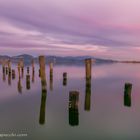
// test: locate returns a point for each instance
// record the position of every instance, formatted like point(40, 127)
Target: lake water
point(107, 116)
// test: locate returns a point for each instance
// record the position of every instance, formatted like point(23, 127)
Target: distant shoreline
point(69, 60)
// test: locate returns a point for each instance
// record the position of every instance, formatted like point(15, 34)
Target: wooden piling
point(51, 76)
point(33, 71)
point(9, 76)
point(13, 74)
point(64, 79)
point(127, 94)
point(73, 108)
point(4, 73)
point(42, 72)
point(28, 70)
point(88, 65)
point(28, 86)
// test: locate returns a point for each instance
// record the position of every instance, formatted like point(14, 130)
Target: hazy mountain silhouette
point(67, 60)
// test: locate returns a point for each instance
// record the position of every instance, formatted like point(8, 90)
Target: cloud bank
point(101, 28)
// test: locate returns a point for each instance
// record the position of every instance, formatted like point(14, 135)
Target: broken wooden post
point(73, 108)
point(88, 69)
point(9, 76)
point(127, 94)
point(39, 73)
point(4, 71)
point(51, 76)
point(33, 71)
point(28, 82)
point(18, 69)
point(64, 79)
point(22, 68)
point(28, 70)
point(88, 64)
point(42, 64)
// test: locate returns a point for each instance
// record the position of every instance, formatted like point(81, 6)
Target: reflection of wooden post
point(88, 64)
point(9, 76)
point(73, 108)
point(127, 94)
point(88, 95)
point(13, 74)
point(44, 89)
point(51, 76)
point(64, 78)
point(19, 85)
point(27, 81)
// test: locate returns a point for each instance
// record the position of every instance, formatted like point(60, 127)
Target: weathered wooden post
point(13, 74)
point(22, 67)
point(9, 64)
point(28, 86)
point(127, 94)
point(88, 65)
point(9, 76)
point(39, 73)
point(18, 69)
point(42, 64)
point(51, 76)
point(33, 71)
point(4, 71)
point(28, 70)
point(73, 108)
point(64, 79)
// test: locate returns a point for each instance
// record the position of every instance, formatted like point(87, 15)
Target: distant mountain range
point(68, 60)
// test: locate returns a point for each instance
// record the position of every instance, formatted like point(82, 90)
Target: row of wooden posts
point(73, 95)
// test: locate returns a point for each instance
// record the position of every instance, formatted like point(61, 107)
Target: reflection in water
point(73, 108)
point(127, 94)
point(19, 85)
point(88, 95)
point(51, 76)
point(9, 76)
point(64, 79)
point(88, 67)
point(44, 89)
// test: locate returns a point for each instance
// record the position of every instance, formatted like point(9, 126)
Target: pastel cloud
point(103, 28)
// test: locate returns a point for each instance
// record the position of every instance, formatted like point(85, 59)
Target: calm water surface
point(107, 118)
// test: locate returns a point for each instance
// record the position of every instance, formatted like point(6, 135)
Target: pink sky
point(100, 28)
